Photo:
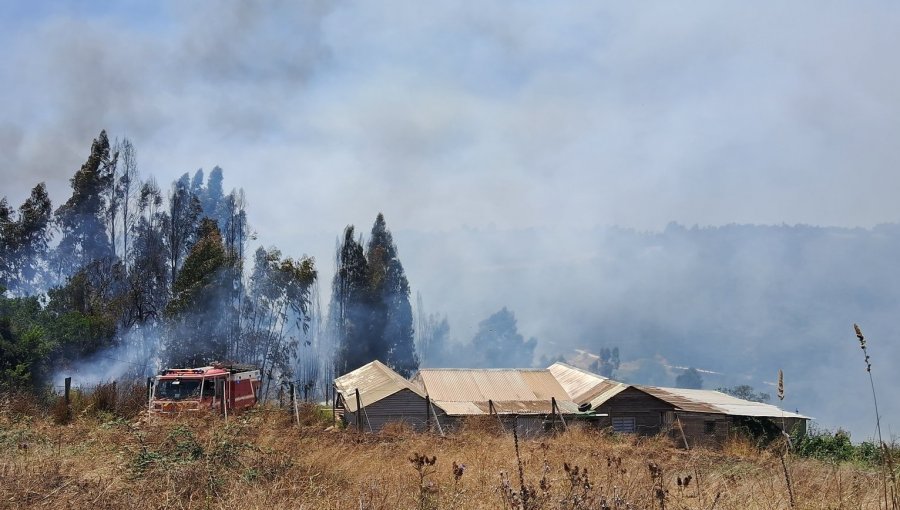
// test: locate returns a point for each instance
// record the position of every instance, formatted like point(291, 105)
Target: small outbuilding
point(373, 395)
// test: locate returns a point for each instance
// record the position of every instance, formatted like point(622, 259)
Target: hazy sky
point(478, 113)
point(561, 115)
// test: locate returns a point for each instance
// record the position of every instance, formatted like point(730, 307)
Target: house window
point(623, 425)
point(668, 417)
point(709, 427)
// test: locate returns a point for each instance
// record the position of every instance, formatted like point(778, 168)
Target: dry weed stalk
point(424, 466)
point(787, 441)
point(889, 490)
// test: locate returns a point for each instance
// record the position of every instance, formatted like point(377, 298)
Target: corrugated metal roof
point(505, 407)
point(375, 381)
point(603, 392)
point(499, 385)
point(578, 383)
point(513, 391)
point(708, 401)
point(459, 408)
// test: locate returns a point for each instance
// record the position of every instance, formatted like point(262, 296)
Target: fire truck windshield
point(178, 389)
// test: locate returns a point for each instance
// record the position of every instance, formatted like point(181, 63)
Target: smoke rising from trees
point(496, 140)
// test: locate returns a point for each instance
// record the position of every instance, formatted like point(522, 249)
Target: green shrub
point(837, 447)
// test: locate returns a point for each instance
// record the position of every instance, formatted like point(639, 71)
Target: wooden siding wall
point(701, 429)
point(526, 426)
point(403, 406)
point(646, 410)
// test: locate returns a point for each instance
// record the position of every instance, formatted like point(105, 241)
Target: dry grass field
point(261, 459)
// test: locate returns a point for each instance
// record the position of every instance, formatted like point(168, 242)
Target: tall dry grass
point(262, 459)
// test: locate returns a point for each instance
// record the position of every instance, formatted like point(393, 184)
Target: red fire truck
point(219, 388)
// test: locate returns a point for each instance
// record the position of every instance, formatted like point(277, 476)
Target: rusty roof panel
point(715, 402)
point(603, 392)
point(679, 401)
point(519, 407)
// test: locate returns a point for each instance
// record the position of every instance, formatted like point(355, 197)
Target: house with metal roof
point(373, 395)
point(690, 417)
point(534, 400)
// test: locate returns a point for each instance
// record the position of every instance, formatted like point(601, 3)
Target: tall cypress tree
point(392, 321)
point(349, 313)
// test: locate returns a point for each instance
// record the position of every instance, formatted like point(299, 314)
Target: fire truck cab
point(218, 388)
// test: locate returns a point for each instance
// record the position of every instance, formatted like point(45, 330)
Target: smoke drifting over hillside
point(743, 301)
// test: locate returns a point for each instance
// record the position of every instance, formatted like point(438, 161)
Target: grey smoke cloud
point(528, 114)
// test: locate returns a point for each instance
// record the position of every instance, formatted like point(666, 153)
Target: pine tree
point(197, 334)
point(349, 313)
point(499, 345)
point(24, 237)
point(213, 195)
point(392, 320)
point(608, 362)
point(689, 379)
point(82, 219)
point(7, 234)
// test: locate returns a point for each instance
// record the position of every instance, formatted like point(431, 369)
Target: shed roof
point(521, 407)
point(716, 402)
point(577, 382)
point(512, 391)
point(584, 386)
point(374, 381)
point(497, 384)
point(603, 392)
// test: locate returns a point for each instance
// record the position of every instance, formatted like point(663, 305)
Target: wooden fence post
point(553, 413)
point(358, 413)
point(68, 387)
